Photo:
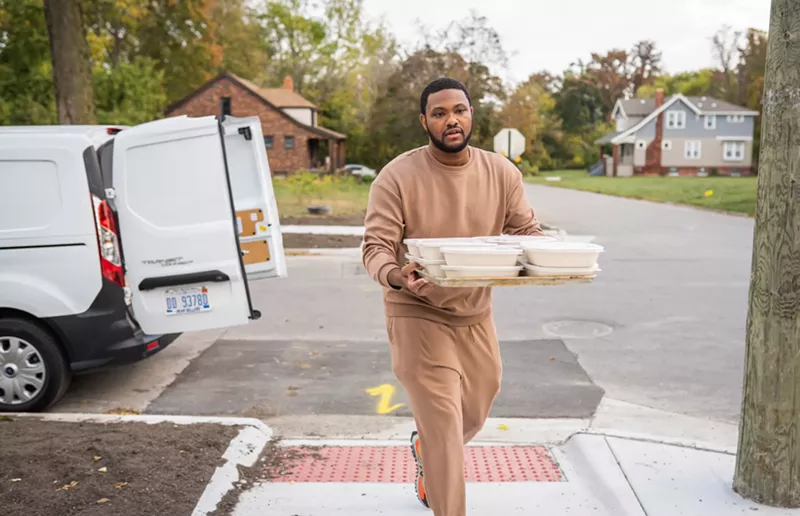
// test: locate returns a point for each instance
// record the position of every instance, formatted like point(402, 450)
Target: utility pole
point(768, 460)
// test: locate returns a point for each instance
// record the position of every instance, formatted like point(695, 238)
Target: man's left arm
point(520, 217)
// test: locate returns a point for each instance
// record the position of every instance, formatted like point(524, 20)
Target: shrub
point(527, 169)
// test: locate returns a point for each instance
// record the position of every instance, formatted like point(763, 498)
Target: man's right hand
point(407, 278)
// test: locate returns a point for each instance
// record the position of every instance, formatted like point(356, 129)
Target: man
point(443, 341)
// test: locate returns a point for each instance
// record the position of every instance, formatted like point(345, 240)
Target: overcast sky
point(550, 34)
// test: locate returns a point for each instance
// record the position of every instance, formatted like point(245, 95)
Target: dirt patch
point(356, 219)
point(303, 241)
point(275, 461)
point(114, 469)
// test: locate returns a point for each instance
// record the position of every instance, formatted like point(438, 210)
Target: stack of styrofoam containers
point(561, 258)
point(427, 252)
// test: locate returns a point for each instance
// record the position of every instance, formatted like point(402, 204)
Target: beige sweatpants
point(452, 376)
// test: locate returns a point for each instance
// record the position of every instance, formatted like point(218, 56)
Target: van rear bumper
point(106, 334)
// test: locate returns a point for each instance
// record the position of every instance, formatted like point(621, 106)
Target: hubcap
point(23, 371)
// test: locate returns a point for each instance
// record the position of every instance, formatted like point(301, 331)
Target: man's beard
point(439, 144)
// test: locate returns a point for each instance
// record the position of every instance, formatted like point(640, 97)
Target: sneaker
point(419, 484)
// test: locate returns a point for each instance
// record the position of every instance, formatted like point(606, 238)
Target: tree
point(610, 76)
point(72, 73)
point(646, 63)
point(531, 109)
point(26, 70)
point(768, 458)
point(725, 45)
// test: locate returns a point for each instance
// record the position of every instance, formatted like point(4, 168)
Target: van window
point(30, 195)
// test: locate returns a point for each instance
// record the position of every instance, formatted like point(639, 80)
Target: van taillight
point(107, 240)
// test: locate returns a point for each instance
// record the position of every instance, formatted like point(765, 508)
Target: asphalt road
point(662, 327)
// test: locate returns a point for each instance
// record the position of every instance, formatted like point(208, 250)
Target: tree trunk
point(768, 462)
point(72, 72)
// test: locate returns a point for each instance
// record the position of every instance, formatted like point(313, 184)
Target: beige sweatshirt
point(416, 196)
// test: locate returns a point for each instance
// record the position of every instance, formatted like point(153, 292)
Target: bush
point(527, 169)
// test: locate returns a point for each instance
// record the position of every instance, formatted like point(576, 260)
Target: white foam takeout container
point(461, 271)
point(535, 270)
point(430, 249)
point(432, 267)
point(518, 240)
point(481, 256)
point(562, 254)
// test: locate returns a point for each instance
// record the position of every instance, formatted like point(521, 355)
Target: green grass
point(346, 195)
point(731, 194)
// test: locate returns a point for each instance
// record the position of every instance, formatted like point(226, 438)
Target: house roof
point(607, 138)
point(264, 96)
point(278, 97)
point(710, 105)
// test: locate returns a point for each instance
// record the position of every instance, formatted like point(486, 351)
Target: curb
point(243, 449)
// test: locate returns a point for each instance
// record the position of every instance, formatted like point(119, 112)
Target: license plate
point(186, 301)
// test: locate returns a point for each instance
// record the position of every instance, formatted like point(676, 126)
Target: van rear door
point(177, 219)
point(257, 217)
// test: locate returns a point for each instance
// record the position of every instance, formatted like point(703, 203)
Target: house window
point(691, 150)
point(710, 122)
point(268, 141)
point(733, 151)
point(676, 120)
point(736, 119)
point(641, 144)
point(666, 145)
point(288, 142)
point(225, 107)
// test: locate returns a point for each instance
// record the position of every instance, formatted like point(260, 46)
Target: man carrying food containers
point(437, 199)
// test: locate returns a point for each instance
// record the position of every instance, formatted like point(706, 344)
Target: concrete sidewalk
point(588, 475)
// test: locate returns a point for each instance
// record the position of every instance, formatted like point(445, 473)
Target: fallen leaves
point(103, 470)
point(503, 427)
point(97, 458)
point(103, 500)
point(69, 486)
point(16, 480)
point(121, 485)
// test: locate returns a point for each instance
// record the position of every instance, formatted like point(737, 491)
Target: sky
point(551, 34)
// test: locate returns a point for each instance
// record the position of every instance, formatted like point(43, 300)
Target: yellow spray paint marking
point(385, 391)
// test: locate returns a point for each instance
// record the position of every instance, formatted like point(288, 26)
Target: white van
point(113, 242)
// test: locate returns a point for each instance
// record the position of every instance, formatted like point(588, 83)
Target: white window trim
point(712, 125)
point(666, 145)
point(733, 144)
point(690, 146)
point(677, 118)
point(735, 138)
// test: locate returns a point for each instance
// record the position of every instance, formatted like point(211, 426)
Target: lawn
point(732, 194)
point(346, 195)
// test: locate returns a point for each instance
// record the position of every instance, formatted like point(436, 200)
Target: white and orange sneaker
point(419, 484)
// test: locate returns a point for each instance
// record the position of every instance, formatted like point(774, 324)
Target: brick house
point(294, 139)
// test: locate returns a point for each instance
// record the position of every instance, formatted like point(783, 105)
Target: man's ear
point(423, 121)
point(472, 110)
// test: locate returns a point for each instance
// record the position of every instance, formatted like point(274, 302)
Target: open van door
point(178, 226)
point(257, 217)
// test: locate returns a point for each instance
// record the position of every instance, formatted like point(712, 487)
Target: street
point(661, 327)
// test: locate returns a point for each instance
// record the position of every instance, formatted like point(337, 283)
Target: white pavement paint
point(324, 230)
point(243, 450)
point(672, 481)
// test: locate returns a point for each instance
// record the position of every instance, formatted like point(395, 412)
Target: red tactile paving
point(393, 464)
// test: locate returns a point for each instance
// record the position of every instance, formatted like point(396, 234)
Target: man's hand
point(407, 277)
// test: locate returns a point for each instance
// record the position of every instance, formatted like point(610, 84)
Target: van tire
point(57, 372)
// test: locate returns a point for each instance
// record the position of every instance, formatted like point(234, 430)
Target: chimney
point(659, 98)
point(288, 83)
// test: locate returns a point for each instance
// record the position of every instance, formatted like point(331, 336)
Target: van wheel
point(33, 371)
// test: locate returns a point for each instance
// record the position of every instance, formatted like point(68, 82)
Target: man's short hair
point(443, 83)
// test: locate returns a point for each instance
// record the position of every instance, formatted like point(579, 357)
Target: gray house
point(680, 136)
